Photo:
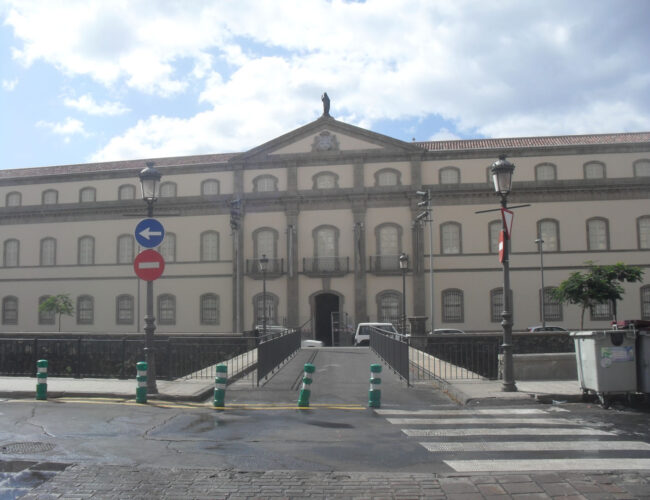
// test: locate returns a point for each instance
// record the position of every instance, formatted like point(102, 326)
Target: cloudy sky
point(85, 81)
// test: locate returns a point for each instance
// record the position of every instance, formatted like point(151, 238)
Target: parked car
point(540, 328)
point(362, 335)
point(446, 331)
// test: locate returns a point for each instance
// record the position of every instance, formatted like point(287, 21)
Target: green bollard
point(305, 391)
point(41, 380)
point(141, 390)
point(220, 383)
point(374, 394)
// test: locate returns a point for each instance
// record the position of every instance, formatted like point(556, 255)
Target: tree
point(601, 284)
point(58, 304)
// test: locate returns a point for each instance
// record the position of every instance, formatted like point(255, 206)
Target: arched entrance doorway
point(324, 305)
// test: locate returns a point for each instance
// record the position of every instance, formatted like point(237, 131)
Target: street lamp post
point(264, 262)
point(502, 171)
point(149, 183)
point(540, 244)
point(403, 265)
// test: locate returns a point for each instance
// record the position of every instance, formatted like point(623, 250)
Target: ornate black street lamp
point(403, 265)
point(502, 171)
point(264, 262)
point(149, 183)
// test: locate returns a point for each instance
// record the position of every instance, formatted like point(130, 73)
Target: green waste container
point(606, 362)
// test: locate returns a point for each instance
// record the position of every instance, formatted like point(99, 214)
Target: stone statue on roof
point(326, 104)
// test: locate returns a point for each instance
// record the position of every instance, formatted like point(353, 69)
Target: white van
point(362, 335)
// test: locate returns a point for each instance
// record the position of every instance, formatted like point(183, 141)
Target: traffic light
point(235, 214)
point(425, 197)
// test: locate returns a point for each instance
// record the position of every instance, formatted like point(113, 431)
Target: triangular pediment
point(325, 137)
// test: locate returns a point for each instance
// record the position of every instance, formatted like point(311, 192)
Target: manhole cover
point(25, 448)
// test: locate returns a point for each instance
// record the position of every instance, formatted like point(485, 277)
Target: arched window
point(452, 306)
point(209, 309)
point(209, 246)
point(48, 252)
point(601, 312)
point(87, 194)
point(545, 172)
point(124, 309)
point(449, 175)
point(271, 309)
point(45, 317)
point(496, 305)
point(10, 310)
point(643, 231)
point(548, 229)
point(85, 310)
point(11, 253)
point(168, 190)
point(594, 170)
point(86, 251)
point(166, 309)
point(597, 234)
point(387, 177)
point(326, 180)
point(126, 192)
point(326, 248)
point(265, 184)
point(210, 187)
point(50, 197)
point(14, 199)
point(265, 242)
point(494, 230)
point(642, 168)
point(645, 302)
point(168, 247)
point(389, 307)
point(450, 238)
point(125, 249)
point(389, 236)
point(552, 307)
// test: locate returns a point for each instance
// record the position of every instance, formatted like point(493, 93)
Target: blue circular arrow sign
point(149, 233)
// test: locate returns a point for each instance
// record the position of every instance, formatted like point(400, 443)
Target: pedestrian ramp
point(518, 439)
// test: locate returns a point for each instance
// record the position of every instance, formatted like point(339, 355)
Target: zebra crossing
point(518, 439)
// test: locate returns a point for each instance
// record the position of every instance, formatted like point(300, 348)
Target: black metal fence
point(117, 357)
point(393, 349)
point(452, 359)
point(273, 352)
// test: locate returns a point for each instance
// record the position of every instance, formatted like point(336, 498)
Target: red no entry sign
point(149, 265)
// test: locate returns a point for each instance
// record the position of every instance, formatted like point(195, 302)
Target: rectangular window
point(209, 309)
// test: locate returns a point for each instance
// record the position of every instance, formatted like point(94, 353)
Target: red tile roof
point(456, 145)
point(535, 142)
point(115, 165)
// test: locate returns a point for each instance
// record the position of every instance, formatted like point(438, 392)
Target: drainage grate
point(25, 448)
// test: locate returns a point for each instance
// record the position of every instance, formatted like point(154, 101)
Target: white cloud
point(444, 135)
point(87, 104)
point(9, 85)
point(67, 128)
point(510, 68)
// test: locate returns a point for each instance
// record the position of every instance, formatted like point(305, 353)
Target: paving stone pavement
point(108, 482)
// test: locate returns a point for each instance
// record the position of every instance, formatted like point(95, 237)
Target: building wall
point(356, 207)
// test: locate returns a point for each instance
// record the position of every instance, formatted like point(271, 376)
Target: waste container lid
point(601, 333)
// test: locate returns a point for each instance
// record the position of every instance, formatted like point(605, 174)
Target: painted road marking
point(517, 431)
point(480, 420)
point(494, 411)
point(507, 431)
point(583, 464)
point(538, 446)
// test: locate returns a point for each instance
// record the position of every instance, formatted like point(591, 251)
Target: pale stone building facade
point(332, 206)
